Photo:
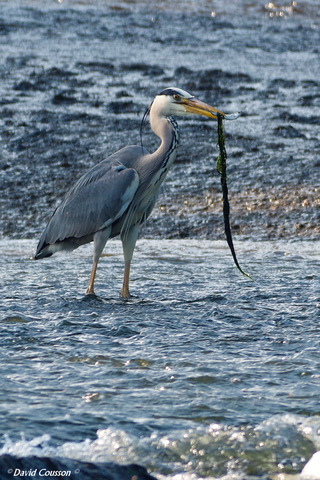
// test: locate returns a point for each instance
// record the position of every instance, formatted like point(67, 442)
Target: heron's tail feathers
point(43, 251)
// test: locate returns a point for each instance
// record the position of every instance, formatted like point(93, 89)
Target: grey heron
point(118, 194)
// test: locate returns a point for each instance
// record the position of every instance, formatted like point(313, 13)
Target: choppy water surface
point(76, 78)
point(204, 374)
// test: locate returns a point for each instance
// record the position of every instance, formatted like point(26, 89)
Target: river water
point(204, 374)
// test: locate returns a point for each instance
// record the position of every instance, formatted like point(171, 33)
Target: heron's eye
point(176, 97)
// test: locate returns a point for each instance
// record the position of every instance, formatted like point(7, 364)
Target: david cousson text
point(41, 473)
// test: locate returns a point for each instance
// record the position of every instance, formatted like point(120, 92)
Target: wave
point(284, 447)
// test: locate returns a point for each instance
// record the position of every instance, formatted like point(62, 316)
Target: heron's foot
point(125, 294)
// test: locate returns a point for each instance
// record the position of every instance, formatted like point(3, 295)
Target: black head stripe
point(169, 91)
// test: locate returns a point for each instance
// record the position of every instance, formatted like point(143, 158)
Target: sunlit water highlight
point(203, 374)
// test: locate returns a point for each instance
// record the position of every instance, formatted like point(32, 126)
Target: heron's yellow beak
point(195, 106)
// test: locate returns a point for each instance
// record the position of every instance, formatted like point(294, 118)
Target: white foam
point(114, 445)
point(38, 446)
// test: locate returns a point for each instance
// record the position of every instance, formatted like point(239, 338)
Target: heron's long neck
point(152, 169)
point(167, 130)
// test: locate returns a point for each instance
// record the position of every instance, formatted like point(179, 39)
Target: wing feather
point(99, 198)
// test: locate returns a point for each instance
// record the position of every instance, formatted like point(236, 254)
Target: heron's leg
point(99, 240)
point(90, 289)
point(128, 243)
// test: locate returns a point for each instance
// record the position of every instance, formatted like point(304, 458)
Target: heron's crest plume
point(145, 115)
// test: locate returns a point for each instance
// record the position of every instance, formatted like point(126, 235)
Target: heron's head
point(176, 102)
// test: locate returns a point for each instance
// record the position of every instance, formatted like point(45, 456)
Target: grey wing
point(99, 198)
